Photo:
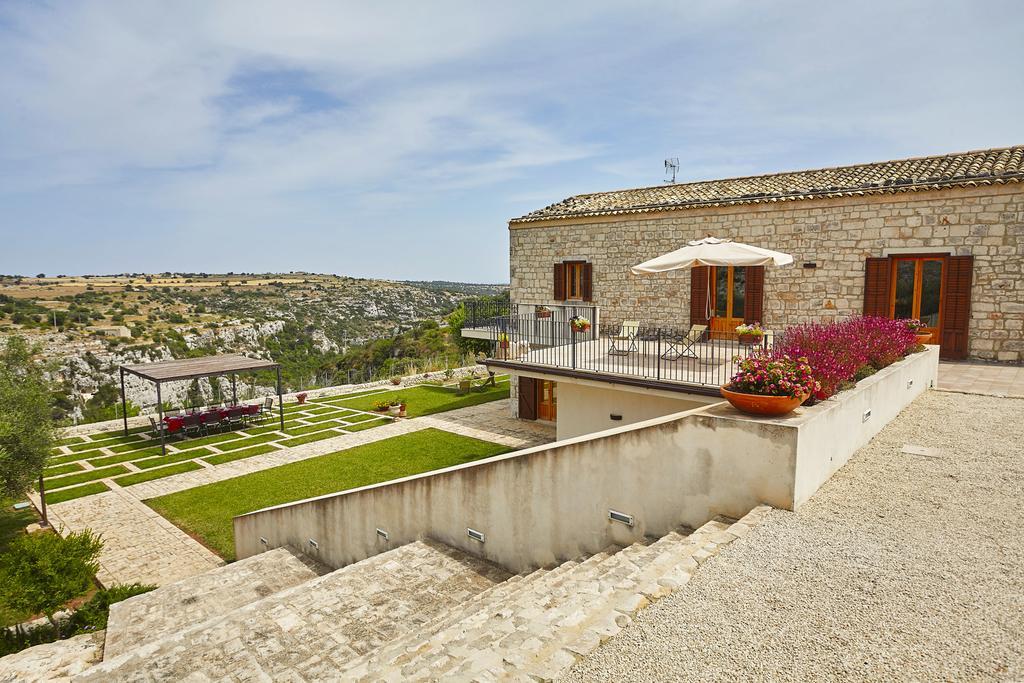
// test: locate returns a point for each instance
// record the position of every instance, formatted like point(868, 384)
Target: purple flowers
point(836, 351)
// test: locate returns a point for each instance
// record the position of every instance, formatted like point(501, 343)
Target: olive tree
point(27, 431)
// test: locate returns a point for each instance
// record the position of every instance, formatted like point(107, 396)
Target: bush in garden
point(838, 352)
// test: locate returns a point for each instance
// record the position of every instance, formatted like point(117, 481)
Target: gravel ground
point(901, 567)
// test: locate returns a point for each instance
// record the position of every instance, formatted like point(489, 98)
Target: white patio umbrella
point(712, 251)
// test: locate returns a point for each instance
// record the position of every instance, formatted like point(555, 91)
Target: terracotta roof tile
point(964, 169)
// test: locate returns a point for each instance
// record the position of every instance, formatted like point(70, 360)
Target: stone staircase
point(423, 611)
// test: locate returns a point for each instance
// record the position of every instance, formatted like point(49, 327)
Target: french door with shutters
point(917, 291)
point(728, 300)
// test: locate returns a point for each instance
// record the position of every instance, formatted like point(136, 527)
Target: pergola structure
point(194, 368)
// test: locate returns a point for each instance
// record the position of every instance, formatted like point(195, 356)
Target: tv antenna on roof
point(671, 167)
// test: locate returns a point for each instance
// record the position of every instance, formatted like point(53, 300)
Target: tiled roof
point(964, 169)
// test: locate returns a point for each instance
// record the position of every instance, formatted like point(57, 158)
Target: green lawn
point(427, 400)
point(149, 475)
point(85, 475)
point(238, 455)
point(206, 511)
point(75, 492)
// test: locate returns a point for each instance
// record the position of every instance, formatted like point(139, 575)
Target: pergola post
point(280, 398)
point(234, 391)
point(160, 426)
point(124, 405)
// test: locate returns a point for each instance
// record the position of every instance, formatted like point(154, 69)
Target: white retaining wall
point(543, 505)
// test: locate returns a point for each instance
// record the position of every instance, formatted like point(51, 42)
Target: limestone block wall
point(836, 234)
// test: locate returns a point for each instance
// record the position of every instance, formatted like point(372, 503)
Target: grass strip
point(70, 440)
point(343, 397)
point(76, 492)
point(92, 445)
point(308, 438)
point(129, 447)
point(157, 473)
point(61, 459)
point(276, 426)
point(370, 424)
point(306, 429)
point(207, 511)
point(363, 417)
point(86, 475)
point(321, 410)
point(61, 469)
point(159, 460)
point(99, 436)
point(221, 458)
point(245, 443)
point(207, 440)
point(124, 457)
point(116, 438)
point(427, 400)
point(327, 416)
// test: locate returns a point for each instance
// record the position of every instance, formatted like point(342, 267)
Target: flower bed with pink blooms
point(820, 359)
point(841, 353)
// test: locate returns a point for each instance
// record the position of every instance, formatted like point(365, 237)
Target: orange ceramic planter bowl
point(924, 338)
point(755, 404)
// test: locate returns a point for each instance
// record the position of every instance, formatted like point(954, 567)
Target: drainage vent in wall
point(620, 517)
point(264, 541)
point(475, 535)
point(314, 544)
point(383, 534)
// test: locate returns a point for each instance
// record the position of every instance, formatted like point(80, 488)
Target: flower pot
point(503, 344)
point(394, 410)
point(756, 404)
point(543, 314)
point(401, 410)
point(750, 339)
point(923, 338)
point(301, 398)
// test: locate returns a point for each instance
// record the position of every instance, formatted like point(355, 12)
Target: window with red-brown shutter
point(754, 295)
point(876, 287)
point(956, 309)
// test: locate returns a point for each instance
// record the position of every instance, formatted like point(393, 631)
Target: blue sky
point(396, 139)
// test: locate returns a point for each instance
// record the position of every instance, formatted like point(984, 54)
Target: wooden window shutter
point(876, 286)
point(527, 398)
point(956, 310)
point(559, 282)
point(588, 282)
point(754, 295)
point(699, 295)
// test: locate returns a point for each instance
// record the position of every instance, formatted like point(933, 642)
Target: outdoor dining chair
point(266, 409)
point(235, 416)
point(159, 428)
point(191, 424)
point(211, 420)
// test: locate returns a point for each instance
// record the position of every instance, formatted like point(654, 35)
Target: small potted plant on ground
point(579, 324)
point(394, 408)
point(301, 397)
point(917, 327)
point(750, 334)
point(381, 406)
point(543, 312)
point(770, 385)
point(396, 380)
point(401, 407)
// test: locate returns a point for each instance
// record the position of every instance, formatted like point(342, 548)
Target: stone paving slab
point(990, 379)
point(138, 544)
point(53, 662)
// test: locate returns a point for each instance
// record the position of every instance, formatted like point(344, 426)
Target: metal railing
point(688, 356)
point(483, 312)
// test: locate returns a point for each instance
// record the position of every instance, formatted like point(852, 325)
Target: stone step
point(176, 606)
point(308, 631)
point(401, 650)
point(540, 629)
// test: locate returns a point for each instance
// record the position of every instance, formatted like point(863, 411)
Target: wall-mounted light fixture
point(810, 264)
point(475, 535)
point(313, 544)
point(615, 416)
point(383, 534)
point(617, 516)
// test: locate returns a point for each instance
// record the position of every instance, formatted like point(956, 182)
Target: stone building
point(936, 238)
point(939, 238)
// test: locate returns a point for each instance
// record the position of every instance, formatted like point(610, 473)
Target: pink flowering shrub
point(837, 351)
point(767, 374)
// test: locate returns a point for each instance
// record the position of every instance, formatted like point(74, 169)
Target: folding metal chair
point(682, 345)
point(624, 343)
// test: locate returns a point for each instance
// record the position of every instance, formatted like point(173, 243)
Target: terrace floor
point(707, 363)
point(982, 378)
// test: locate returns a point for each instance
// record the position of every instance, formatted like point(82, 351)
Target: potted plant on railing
point(542, 312)
point(301, 397)
point(769, 385)
point(503, 341)
point(917, 327)
point(579, 324)
point(750, 334)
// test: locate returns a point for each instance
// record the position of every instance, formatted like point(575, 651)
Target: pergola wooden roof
point(195, 368)
point(192, 368)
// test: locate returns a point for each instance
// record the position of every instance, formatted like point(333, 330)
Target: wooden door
point(918, 291)
point(547, 400)
point(728, 300)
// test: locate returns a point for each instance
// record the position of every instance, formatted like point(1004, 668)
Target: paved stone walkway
point(140, 545)
point(982, 378)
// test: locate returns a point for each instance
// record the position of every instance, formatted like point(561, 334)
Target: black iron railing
point(483, 312)
point(691, 356)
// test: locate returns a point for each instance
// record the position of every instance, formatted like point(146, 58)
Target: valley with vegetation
point(325, 330)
